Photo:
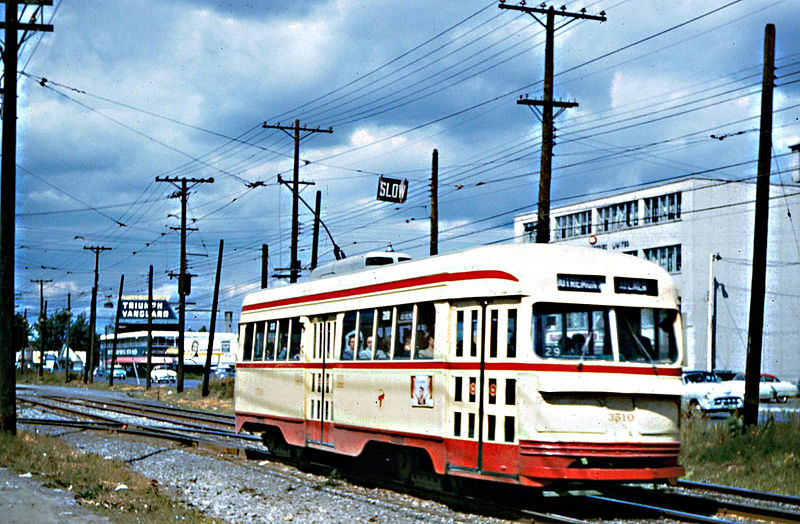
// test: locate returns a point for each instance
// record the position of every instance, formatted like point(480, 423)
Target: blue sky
point(142, 89)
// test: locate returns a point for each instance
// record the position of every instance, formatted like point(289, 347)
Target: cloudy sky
point(140, 89)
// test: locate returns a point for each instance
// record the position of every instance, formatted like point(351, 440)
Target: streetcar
point(526, 364)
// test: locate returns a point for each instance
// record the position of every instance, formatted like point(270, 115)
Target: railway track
point(687, 502)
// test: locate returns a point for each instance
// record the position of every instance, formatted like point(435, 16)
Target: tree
point(22, 331)
point(55, 333)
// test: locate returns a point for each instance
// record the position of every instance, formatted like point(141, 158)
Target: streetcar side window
point(349, 340)
point(295, 336)
point(283, 339)
point(247, 353)
point(424, 335)
point(258, 350)
point(383, 332)
point(272, 337)
point(511, 334)
point(366, 321)
point(405, 322)
point(571, 331)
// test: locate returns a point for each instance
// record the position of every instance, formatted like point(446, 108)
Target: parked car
point(163, 374)
point(119, 373)
point(704, 392)
point(225, 371)
point(770, 387)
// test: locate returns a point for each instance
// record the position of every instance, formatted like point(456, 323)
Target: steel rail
point(741, 492)
point(681, 515)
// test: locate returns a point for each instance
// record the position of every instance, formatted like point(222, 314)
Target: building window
point(573, 225)
point(635, 252)
point(618, 216)
point(668, 257)
point(530, 231)
point(662, 208)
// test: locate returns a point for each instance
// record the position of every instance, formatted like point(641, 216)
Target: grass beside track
point(97, 482)
point(765, 457)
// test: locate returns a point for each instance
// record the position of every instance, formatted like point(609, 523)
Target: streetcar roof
point(497, 270)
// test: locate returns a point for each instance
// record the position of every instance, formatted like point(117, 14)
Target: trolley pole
point(294, 264)
point(89, 364)
point(184, 282)
point(758, 285)
point(547, 104)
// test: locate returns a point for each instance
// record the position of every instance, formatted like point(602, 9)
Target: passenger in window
point(404, 351)
point(365, 352)
point(382, 353)
point(349, 348)
point(425, 344)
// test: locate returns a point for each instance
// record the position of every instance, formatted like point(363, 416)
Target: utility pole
point(24, 345)
point(149, 326)
point(294, 264)
point(42, 319)
point(8, 197)
point(264, 266)
point(755, 330)
point(184, 282)
point(116, 332)
point(213, 327)
point(67, 361)
point(315, 238)
point(547, 104)
point(89, 364)
point(435, 203)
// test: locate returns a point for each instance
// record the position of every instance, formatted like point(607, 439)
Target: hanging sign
point(392, 190)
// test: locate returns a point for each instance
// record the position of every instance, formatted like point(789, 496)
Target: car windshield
point(584, 332)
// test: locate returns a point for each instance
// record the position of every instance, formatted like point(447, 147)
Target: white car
point(161, 374)
point(703, 391)
point(770, 387)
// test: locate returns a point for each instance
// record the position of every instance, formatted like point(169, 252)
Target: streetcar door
point(464, 410)
point(499, 410)
point(318, 383)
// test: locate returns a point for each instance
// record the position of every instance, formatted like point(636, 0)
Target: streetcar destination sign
point(392, 190)
point(590, 283)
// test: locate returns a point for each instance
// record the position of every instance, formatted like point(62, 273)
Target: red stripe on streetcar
point(387, 286)
point(466, 366)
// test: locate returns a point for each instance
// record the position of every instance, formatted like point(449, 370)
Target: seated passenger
point(347, 351)
point(425, 345)
point(404, 351)
point(365, 353)
point(382, 353)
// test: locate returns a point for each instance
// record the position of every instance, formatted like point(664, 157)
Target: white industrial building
point(682, 225)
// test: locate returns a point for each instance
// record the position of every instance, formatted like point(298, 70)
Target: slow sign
point(392, 190)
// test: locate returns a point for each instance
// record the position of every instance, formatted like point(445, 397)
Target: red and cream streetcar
point(527, 364)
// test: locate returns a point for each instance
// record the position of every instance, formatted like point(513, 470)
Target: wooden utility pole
point(184, 279)
point(435, 203)
point(294, 264)
point(264, 266)
point(67, 360)
point(315, 239)
point(755, 330)
point(213, 328)
point(89, 364)
point(149, 327)
point(8, 198)
point(547, 104)
point(116, 332)
point(42, 321)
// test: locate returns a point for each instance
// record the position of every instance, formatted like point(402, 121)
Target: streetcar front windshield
point(583, 332)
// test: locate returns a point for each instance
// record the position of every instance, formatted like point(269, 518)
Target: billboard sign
point(133, 313)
